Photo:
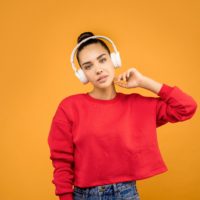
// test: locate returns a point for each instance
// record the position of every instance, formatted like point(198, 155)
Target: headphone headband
point(84, 40)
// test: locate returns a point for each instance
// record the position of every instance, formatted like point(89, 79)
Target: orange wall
point(159, 38)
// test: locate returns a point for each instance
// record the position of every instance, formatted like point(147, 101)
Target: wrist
point(150, 84)
point(143, 82)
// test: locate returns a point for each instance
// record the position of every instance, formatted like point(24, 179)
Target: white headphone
point(115, 58)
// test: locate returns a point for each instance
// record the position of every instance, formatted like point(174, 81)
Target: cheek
point(91, 76)
point(112, 70)
point(111, 73)
point(88, 75)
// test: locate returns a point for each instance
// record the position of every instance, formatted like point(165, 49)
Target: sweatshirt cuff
point(67, 196)
point(165, 90)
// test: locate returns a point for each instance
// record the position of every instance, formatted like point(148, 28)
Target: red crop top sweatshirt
point(95, 142)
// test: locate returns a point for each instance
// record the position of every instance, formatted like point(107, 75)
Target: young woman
point(102, 141)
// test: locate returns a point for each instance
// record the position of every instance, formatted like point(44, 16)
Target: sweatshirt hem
point(123, 178)
point(68, 196)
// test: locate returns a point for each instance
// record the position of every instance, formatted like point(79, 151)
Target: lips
point(101, 77)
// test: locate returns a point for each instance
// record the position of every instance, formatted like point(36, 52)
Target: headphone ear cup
point(116, 60)
point(113, 58)
point(81, 76)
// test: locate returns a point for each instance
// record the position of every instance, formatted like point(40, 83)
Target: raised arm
point(173, 104)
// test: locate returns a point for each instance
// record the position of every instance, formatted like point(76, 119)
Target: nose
point(99, 70)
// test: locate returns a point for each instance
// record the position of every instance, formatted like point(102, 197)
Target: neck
point(104, 93)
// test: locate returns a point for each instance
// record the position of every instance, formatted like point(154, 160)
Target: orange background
point(159, 38)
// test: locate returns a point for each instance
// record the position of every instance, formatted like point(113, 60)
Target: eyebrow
point(97, 58)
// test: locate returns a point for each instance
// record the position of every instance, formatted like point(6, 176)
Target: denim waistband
point(102, 188)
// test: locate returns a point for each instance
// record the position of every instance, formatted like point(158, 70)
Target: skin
point(106, 90)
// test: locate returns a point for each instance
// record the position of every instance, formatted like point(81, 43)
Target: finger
point(131, 70)
point(119, 77)
point(118, 83)
point(124, 76)
point(128, 74)
point(122, 84)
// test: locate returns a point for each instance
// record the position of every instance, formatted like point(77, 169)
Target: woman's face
point(95, 62)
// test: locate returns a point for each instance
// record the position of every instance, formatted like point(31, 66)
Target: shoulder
point(70, 99)
point(66, 106)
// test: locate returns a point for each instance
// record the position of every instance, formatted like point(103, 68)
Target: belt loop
point(115, 187)
point(101, 188)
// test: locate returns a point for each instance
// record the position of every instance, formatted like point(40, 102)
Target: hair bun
point(84, 35)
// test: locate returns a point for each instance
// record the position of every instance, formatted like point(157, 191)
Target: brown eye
point(87, 67)
point(104, 59)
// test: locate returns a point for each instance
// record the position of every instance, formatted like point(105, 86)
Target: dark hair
point(85, 35)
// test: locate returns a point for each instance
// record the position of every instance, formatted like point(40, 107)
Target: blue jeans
point(116, 191)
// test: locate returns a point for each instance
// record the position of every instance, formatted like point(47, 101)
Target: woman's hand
point(132, 78)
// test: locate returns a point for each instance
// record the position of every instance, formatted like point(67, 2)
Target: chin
point(104, 85)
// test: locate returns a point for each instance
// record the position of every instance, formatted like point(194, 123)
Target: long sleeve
point(174, 105)
point(61, 154)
